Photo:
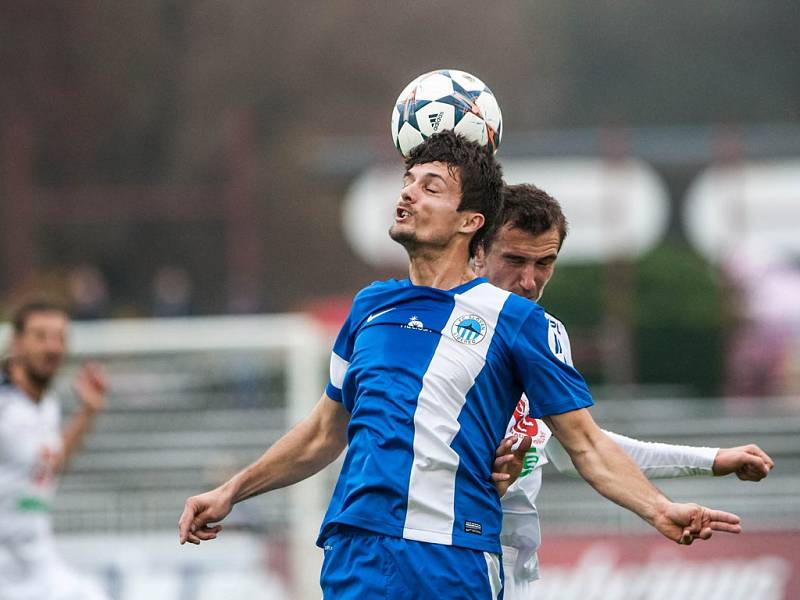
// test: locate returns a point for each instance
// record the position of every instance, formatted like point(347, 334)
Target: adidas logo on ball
point(436, 120)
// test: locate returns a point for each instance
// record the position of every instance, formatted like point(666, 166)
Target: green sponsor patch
point(32, 505)
point(529, 462)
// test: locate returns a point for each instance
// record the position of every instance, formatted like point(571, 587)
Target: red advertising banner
point(750, 566)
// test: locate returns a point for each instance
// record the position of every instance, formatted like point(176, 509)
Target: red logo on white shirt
point(526, 425)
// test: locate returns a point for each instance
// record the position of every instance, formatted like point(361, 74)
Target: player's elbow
point(587, 453)
point(325, 443)
point(332, 446)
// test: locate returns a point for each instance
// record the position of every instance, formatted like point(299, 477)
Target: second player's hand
point(91, 386)
point(684, 523)
point(750, 463)
point(509, 461)
point(200, 513)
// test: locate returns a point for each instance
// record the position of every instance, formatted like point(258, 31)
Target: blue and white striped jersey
point(430, 378)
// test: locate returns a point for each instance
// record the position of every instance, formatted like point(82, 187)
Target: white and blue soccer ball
point(446, 99)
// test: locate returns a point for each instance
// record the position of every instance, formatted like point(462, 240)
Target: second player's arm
point(304, 450)
point(659, 460)
point(91, 387)
point(607, 468)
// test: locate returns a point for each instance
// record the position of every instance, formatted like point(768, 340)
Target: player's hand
point(91, 386)
point(199, 513)
point(750, 463)
point(684, 523)
point(508, 463)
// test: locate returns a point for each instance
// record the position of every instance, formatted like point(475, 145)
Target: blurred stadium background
point(185, 175)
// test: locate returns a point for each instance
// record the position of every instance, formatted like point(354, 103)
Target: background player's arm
point(304, 450)
point(660, 461)
point(90, 386)
point(608, 469)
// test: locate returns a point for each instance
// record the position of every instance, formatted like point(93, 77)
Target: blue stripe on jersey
point(427, 411)
point(379, 391)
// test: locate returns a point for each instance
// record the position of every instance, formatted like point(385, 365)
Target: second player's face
point(41, 346)
point(520, 262)
point(427, 211)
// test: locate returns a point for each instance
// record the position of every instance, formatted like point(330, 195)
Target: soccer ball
point(446, 99)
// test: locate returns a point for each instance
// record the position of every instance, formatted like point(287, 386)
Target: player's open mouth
point(401, 213)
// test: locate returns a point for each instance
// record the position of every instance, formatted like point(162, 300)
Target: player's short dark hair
point(530, 209)
point(19, 318)
point(481, 175)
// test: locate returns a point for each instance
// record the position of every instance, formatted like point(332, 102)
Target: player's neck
point(441, 270)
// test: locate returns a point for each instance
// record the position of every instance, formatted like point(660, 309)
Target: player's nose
point(53, 346)
point(527, 279)
point(407, 194)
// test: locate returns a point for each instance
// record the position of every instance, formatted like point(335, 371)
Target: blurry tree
point(679, 320)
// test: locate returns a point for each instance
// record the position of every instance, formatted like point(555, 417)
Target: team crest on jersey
point(469, 329)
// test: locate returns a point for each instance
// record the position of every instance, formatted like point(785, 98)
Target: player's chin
point(43, 374)
point(403, 234)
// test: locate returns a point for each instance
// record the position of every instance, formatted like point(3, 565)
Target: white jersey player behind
point(520, 257)
point(521, 532)
point(33, 449)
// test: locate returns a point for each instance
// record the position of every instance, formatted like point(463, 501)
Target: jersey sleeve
point(340, 360)
point(655, 459)
point(543, 360)
point(659, 461)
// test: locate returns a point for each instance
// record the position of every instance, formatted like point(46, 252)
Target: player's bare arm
point(304, 450)
point(607, 468)
point(91, 387)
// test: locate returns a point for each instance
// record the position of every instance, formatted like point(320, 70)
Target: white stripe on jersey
point(450, 376)
point(493, 572)
point(338, 369)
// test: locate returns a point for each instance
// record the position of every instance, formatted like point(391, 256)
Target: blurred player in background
point(520, 256)
point(425, 374)
point(33, 450)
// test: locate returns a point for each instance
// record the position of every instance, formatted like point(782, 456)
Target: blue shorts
point(361, 565)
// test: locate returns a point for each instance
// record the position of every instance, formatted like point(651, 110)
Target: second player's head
point(519, 254)
point(39, 340)
point(451, 189)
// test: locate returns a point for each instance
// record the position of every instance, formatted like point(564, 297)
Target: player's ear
point(471, 222)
